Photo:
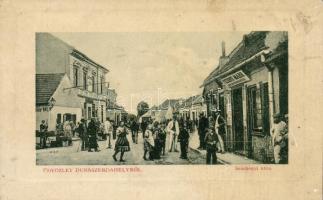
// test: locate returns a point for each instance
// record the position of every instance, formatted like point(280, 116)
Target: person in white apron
point(173, 131)
point(219, 123)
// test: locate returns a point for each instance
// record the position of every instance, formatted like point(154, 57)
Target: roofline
point(87, 59)
point(235, 67)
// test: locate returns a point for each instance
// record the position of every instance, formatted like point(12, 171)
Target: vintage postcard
point(154, 100)
point(186, 108)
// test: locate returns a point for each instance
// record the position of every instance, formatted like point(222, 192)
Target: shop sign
point(235, 79)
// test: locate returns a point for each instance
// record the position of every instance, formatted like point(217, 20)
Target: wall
point(52, 54)
point(65, 96)
point(262, 149)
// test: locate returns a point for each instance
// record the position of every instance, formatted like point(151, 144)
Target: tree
point(142, 108)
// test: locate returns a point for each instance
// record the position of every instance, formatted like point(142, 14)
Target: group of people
point(211, 133)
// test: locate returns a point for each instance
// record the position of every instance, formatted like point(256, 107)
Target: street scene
point(162, 98)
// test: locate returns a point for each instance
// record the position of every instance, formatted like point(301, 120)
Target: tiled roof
point(46, 84)
point(251, 44)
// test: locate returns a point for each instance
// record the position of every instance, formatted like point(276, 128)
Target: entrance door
point(237, 112)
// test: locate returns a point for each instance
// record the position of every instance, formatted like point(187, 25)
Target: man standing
point(211, 139)
point(173, 130)
point(183, 138)
point(108, 131)
point(203, 125)
point(43, 131)
point(92, 131)
point(83, 135)
point(279, 138)
point(143, 127)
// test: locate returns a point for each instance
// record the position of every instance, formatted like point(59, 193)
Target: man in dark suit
point(203, 125)
point(82, 129)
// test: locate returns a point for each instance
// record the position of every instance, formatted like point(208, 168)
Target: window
point(84, 80)
point(89, 113)
point(101, 84)
point(75, 76)
point(258, 107)
point(59, 118)
point(254, 108)
point(93, 83)
point(265, 108)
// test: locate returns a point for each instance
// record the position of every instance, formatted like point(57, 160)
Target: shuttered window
point(258, 107)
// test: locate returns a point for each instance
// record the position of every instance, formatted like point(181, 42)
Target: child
point(148, 143)
point(183, 139)
point(211, 140)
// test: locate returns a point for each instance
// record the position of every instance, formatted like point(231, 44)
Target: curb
point(218, 159)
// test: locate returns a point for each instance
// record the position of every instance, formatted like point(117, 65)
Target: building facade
point(87, 77)
point(54, 104)
point(249, 86)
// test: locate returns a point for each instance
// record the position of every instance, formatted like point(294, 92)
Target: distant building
point(192, 107)
point(249, 86)
point(54, 104)
point(114, 111)
point(87, 77)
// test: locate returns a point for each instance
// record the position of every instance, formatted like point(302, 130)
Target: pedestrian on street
point(122, 143)
point(279, 134)
point(173, 131)
point(114, 130)
point(203, 125)
point(108, 129)
point(183, 138)
point(82, 129)
point(149, 143)
point(68, 131)
point(162, 137)
point(43, 133)
point(134, 131)
point(143, 127)
point(211, 141)
point(219, 127)
point(157, 134)
point(92, 131)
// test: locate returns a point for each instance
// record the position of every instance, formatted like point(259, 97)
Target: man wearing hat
point(83, 135)
point(202, 126)
point(279, 135)
point(173, 130)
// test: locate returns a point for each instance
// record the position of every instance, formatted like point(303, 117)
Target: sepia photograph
point(161, 98)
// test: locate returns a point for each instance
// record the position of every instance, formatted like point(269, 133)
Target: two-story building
point(88, 78)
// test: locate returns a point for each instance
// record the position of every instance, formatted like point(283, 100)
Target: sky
point(154, 66)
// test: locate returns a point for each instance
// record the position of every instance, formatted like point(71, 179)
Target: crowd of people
point(211, 133)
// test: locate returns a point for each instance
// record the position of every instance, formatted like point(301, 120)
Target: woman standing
point(122, 143)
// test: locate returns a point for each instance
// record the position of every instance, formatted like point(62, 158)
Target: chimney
point(223, 58)
point(223, 49)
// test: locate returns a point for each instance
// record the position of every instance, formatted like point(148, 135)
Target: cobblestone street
point(72, 156)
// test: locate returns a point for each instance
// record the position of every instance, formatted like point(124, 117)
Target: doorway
point(237, 112)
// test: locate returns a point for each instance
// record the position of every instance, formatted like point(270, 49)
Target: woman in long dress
point(149, 142)
point(122, 143)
